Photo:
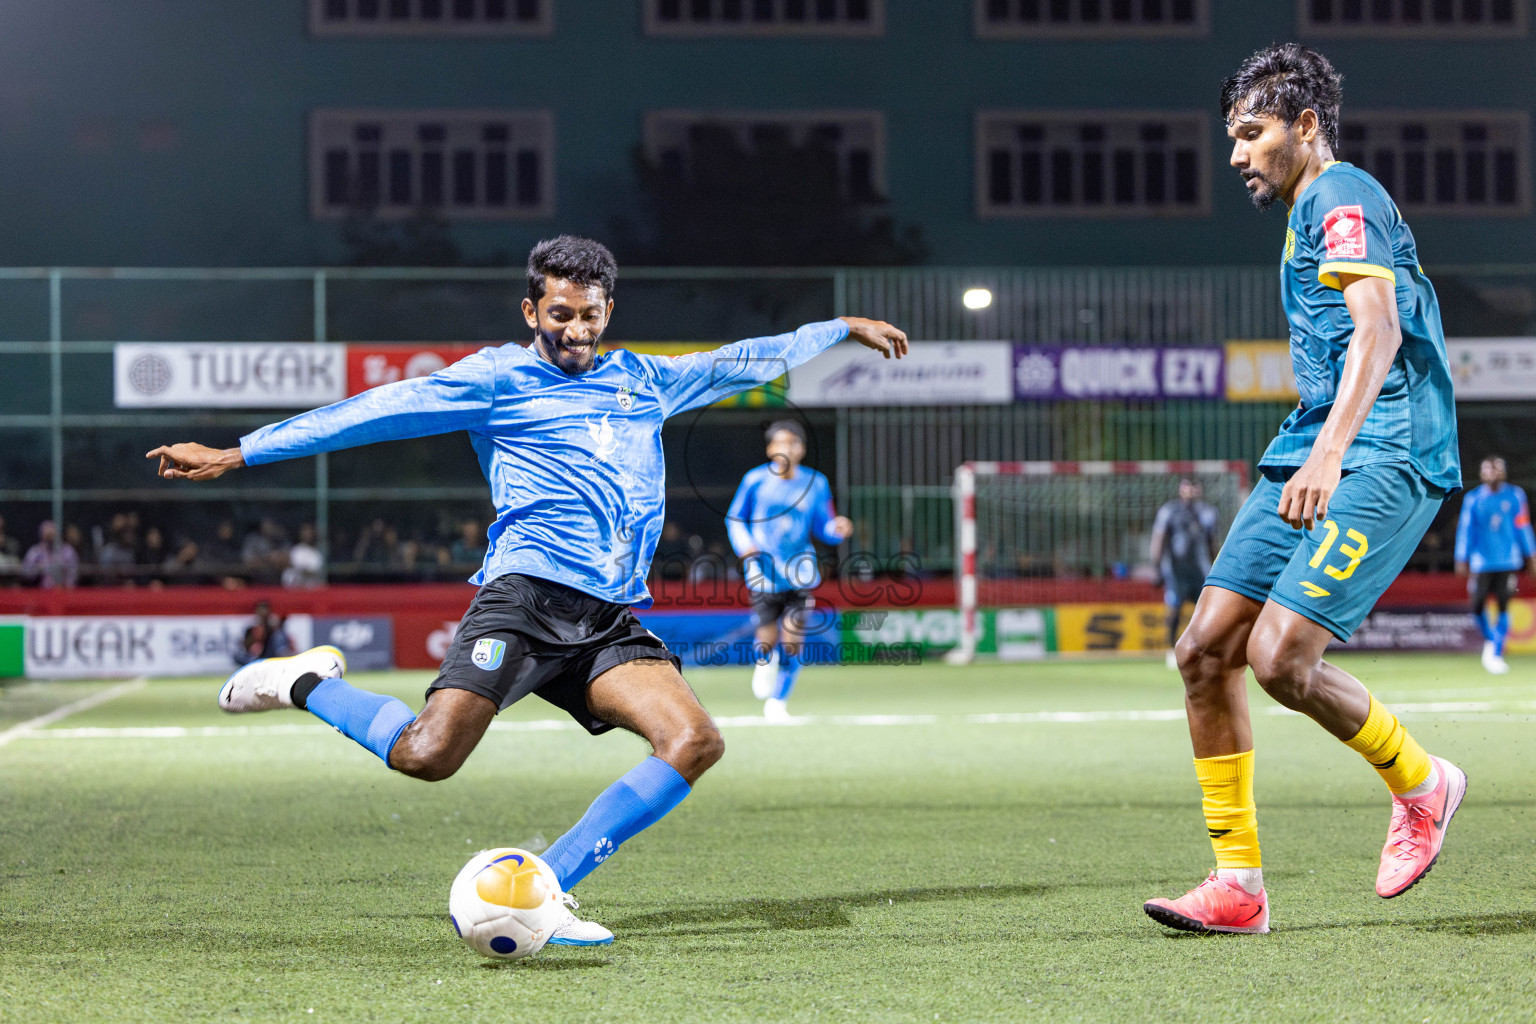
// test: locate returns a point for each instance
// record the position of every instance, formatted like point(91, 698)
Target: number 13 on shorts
point(1354, 548)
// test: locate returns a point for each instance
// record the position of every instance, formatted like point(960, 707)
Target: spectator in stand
point(183, 564)
point(377, 544)
point(116, 554)
point(222, 551)
point(264, 552)
point(10, 557)
point(264, 638)
point(151, 558)
point(306, 564)
point(50, 563)
point(469, 549)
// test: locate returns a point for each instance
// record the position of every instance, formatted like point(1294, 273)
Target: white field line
point(32, 726)
point(35, 730)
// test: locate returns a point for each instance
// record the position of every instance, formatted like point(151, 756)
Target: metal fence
point(68, 454)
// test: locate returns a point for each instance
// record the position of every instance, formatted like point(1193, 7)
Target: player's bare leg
point(1212, 656)
point(435, 745)
point(650, 698)
point(1286, 651)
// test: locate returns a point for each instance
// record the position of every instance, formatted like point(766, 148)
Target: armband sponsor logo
point(1344, 231)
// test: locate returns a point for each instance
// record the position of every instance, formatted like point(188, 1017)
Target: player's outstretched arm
point(191, 461)
point(1372, 303)
point(877, 334)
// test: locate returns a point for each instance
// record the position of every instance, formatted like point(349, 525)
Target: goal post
point(1026, 530)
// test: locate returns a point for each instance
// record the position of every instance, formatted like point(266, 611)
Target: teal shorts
point(1335, 572)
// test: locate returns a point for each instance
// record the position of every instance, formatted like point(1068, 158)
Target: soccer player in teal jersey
point(1349, 486)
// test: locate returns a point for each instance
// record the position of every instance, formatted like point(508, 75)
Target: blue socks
point(1482, 623)
point(789, 671)
point(636, 802)
point(371, 719)
point(1501, 633)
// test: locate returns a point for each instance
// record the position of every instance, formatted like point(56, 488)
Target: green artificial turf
point(938, 869)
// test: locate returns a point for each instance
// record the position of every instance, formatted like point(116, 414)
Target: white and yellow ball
point(505, 903)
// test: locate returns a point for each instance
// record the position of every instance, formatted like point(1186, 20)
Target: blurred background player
point(1494, 542)
point(1183, 546)
point(570, 443)
point(1358, 472)
point(778, 508)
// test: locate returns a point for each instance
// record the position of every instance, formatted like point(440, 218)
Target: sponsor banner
point(13, 641)
point(422, 638)
point(1111, 628)
point(93, 647)
point(1116, 372)
point(1492, 369)
point(932, 373)
point(368, 641)
point(1448, 629)
point(368, 366)
point(769, 395)
point(917, 634)
point(1260, 371)
point(1522, 627)
point(227, 375)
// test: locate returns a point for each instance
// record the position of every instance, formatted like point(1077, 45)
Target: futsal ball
point(505, 903)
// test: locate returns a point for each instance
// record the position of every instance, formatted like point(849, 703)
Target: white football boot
point(776, 710)
point(267, 684)
point(1492, 660)
point(573, 931)
point(765, 677)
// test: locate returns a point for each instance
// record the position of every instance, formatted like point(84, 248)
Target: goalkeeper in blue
point(570, 443)
point(779, 507)
point(1493, 543)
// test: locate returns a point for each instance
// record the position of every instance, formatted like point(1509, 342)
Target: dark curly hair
point(568, 257)
point(1282, 80)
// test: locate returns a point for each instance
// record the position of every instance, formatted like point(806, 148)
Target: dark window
point(335, 10)
point(368, 178)
point(1088, 12)
point(463, 10)
point(1353, 11)
point(1184, 11)
point(367, 10)
point(1125, 176)
point(337, 178)
point(861, 176)
point(1506, 189)
point(1061, 10)
point(1032, 177)
point(1445, 176)
point(1503, 11)
point(399, 177)
point(1322, 11)
point(1000, 177)
point(1472, 10)
point(1477, 175)
point(527, 10)
point(1154, 178)
point(527, 177)
point(1413, 11)
point(826, 10)
point(495, 10)
point(1152, 10)
point(1386, 170)
point(1381, 10)
point(496, 178)
point(1061, 177)
point(670, 10)
point(1442, 10)
point(858, 10)
point(794, 10)
point(731, 10)
point(464, 177)
point(698, 10)
point(431, 10)
point(1029, 10)
point(1414, 176)
point(997, 10)
point(399, 10)
point(762, 10)
point(1093, 177)
point(1120, 10)
point(1186, 177)
point(432, 178)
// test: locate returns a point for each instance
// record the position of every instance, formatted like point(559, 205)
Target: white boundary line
point(34, 730)
point(30, 727)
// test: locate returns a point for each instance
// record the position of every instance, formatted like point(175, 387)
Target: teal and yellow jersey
point(1345, 223)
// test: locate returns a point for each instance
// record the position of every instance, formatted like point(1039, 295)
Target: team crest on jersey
point(604, 442)
point(626, 397)
point(1344, 229)
point(487, 653)
point(1290, 245)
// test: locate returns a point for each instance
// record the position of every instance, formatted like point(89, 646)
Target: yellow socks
point(1396, 756)
point(1227, 783)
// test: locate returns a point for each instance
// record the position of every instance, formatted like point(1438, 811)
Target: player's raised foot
point(1215, 905)
point(267, 685)
point(775, 710)
point(573, 931)
point(1493, 661)
point(1418, 831)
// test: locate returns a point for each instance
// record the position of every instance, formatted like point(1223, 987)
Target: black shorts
point(1498, 585)
point(769, 606)
point(526, 635)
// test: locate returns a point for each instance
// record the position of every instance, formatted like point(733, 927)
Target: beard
point(573, 361)
point(1265, 195)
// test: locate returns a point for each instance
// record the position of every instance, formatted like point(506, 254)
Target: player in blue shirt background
point(1183, 546)
point(1348, 487)
point(570, 443)
point(1494, 542)
point(778, 508)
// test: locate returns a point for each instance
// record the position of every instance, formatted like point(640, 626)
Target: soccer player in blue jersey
point(570, 443)
point(1349, 486)
point(1183, 546)
point(1494, 542)
point(778, 508)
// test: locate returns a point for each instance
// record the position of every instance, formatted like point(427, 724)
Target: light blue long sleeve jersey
point(777, 518)
point(1494, 533)
point(575, 464)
